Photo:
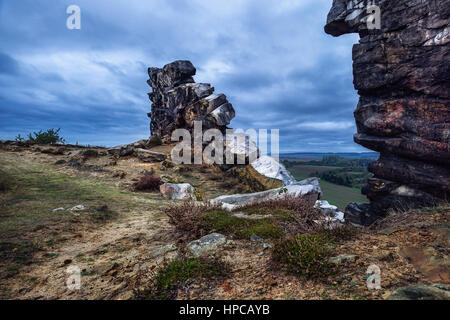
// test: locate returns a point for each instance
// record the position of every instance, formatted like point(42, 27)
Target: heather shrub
point(173, 275)
point(148, 183)
point(304, 255)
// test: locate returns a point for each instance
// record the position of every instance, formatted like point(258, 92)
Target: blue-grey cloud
point(271, 58)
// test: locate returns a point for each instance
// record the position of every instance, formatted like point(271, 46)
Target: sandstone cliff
point(402, 74)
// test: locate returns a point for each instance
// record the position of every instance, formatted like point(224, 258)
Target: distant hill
point(318, 156)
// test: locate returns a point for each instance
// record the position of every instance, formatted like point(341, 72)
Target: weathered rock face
point(178, 101)
point(402, 74)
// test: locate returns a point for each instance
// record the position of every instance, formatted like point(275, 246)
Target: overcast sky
point(271, 58)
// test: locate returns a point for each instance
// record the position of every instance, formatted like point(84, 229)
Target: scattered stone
point(79, 207)
point(89, 153)
point(150, 156)
point(58, 209)
point(421, 292)
point(343, 259)
point(163, 250)
point(206, 244)
point(121, 151)
point(181, 191)
point(329, 210)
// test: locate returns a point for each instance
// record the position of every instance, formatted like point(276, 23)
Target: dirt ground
point(111, 253)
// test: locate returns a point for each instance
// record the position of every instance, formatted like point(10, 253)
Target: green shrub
point(221, 221)
point(304, 255)
point(46, 137)
point(170, 276)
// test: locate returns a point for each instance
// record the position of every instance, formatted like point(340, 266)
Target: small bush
point(148, 183)
point(304, 255)
point(50, 136)
point(188, 217)
point(154, 141)
point(170, 276)
point(296, 214)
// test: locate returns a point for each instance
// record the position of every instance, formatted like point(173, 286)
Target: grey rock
point(207, 244)
point(343, 259)
point(305, 188)
point(150, 156)
point(420, 292)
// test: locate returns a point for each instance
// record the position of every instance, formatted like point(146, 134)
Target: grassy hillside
point(335, 194)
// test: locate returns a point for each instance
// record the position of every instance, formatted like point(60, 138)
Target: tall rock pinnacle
point(178, 101)
point(402, 74)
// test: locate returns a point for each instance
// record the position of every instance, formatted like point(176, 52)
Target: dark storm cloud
point(271, 58)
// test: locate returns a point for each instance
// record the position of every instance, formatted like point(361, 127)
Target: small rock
point(206, 244)
point(58, 209)
point(68, 261)
point(343, 259)
point(255, 238)
point(79, 207)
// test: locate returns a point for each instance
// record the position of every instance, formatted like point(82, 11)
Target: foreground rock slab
point(306, 188)
point(206, 244)
point(434, 292)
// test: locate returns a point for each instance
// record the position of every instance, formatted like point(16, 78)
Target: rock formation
point(178, 101)
point(402, 74)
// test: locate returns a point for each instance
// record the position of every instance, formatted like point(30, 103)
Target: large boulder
point(401, 74)
point(308, 188)
point(269, 167)
point(177, 101)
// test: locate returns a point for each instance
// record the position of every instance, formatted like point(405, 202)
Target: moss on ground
point(170, 276)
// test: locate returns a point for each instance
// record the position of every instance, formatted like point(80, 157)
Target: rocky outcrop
point(402, 74)
point(178, 101)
